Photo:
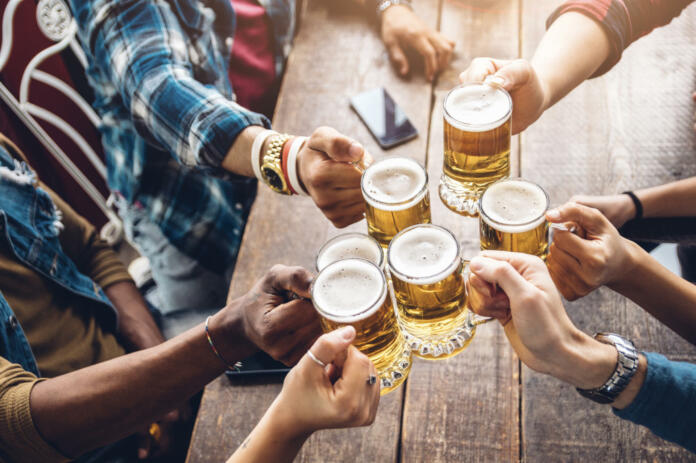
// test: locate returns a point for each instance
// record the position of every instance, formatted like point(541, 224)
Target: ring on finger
point(316, 360)
point(371, 380)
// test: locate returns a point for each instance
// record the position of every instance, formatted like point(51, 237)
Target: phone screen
point(385, 119)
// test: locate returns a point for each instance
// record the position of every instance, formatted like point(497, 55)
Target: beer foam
point(350, 245)
point(394, 184)
point(477, 107)
point(423, 254)
point(514, 206)
point(349, 290)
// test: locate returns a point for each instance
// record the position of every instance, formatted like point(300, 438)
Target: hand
point(597, 255)
point(402, 29)
point(619, 209)
point(529, 94)
point(269, 318)
point(538, 327)
point(333, 183)
point(337, 396)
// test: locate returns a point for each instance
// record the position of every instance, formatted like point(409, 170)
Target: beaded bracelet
point(236, 366)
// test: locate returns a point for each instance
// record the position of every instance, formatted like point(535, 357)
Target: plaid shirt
point(624, 21)
point(158, 69)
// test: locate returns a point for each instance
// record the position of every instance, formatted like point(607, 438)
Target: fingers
point(293, 279)
point(500, 272)
point(356, 369)
point(588, 218)
point(342, 216)
point(429, 54)
point(337, 146)
point(397, 57)
point(301, 341)
point(485, 303)
point(570, 243)
point(328, 348)
point(480, 68)
point(515, 74)
point(566, 273)
point(359, 400)
point(444, 48)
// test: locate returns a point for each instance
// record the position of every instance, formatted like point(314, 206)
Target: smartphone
point(259, 364)
point(385, 119)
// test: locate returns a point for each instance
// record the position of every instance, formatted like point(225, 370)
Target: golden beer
point(513, 217)
point(354, 292)
point(350, 245)
point(426, 271)
point(477, 144)
point(396, 193)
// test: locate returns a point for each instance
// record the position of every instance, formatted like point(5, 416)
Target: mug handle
point(476, 319)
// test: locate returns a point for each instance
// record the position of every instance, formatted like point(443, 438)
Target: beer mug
point(428, 278)
point(477, 143)
point(396, 193)
point(350, 245)
point(354, 292)
point(513, 217)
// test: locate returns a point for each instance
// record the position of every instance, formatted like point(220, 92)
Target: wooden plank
point(629, 129)
point(466, 408)
point(336, 55)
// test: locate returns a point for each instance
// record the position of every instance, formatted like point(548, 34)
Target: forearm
point(572, 49)
point(271, 440)
point(664, 295)
point(137, 328)
point(100, 404)
point(674, 199)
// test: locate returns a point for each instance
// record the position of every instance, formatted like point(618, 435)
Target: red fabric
point(284, 163)
point(252, 65)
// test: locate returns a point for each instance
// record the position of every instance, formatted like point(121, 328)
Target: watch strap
point(271, 167)
point(292, 166)
point(626, 367)
point(256, 152)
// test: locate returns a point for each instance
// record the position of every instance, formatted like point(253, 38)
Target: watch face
point(275, 181)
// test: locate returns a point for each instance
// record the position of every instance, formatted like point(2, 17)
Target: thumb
point(337, 146)
point(502, 273)
point(330, 347)
point(515, 74)
point(398, 58)
point(588, 218)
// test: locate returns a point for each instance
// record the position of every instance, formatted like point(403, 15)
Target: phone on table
point(259, 364)
point(385, 119)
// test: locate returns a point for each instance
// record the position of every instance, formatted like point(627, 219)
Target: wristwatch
point(626, 366)
point(384, 4)
point(271, 167)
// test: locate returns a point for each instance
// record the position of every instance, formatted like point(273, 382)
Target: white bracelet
point(256, 152)
point(292, 166)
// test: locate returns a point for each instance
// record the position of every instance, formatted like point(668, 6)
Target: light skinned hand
point(276, 323)
point(325, 170)
point(593, 256)
point(619, 209)
point(402, 30)
point(538, 326)
point(338, 396)
point(529, 95)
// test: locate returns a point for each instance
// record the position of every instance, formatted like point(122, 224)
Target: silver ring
point(316, 360)
point(372, 379)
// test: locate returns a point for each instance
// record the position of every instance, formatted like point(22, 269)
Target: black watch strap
point(636, 202)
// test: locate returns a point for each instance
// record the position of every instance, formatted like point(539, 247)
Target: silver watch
point(384, 4)
point(626, 366)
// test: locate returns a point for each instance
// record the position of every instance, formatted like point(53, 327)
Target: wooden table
point(629, 129)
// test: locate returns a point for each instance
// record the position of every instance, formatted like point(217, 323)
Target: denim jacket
point(29, 228)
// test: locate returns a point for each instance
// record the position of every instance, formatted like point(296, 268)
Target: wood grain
point(628, 129)
point(465, 408)
point(336, 54)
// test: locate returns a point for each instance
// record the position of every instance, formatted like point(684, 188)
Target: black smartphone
point(385, 119)
point(259, 364)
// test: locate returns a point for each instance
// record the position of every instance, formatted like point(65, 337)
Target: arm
point(93, 406)
point(95, 258)
point(660, 395)
point(315, 398)
point(585, 38)
point(597, 255)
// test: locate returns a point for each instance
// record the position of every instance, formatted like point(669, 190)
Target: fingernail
point(347, 333)
point(553, 214)
point(356, 150)
point(475, 264)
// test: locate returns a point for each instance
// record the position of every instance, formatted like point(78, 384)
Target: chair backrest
point(40, 60)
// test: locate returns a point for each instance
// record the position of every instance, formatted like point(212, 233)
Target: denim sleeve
point(666, 403)
point(143, 50)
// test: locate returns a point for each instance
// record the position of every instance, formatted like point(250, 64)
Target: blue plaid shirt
point(159, 72)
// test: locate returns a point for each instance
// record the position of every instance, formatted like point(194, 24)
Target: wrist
point(586, 363)
point(284, 424)
point(228, 332)
point(633, 259)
